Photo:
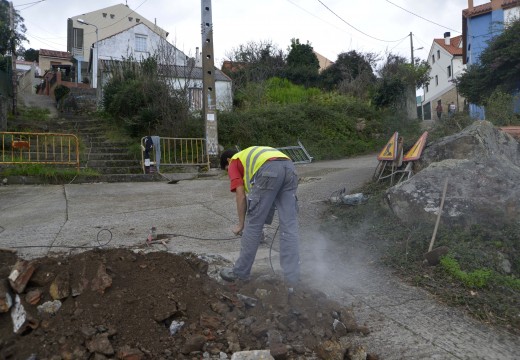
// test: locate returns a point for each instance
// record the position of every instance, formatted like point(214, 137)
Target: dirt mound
point(134, 305)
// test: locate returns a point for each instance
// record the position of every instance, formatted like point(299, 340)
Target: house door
point(427, 110)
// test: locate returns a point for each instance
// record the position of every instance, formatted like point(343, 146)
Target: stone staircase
point(107, 157)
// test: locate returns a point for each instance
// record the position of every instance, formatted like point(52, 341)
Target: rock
point(357, 353)
point(102, 280)
point(49, 307)
point(278, 351)
point(193, 343)
point(330, 350)
point(219, 307)
point(33, 297)
point(252, 355)
point(482, 164)
point(128, 353)
point(60, 287)
point(6, 300)
point(79, 281)
point(100, 344)
point(212, 322)
point(22, 320)
point(20, 275)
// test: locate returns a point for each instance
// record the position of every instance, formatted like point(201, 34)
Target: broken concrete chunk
point(20, 275)
point(248, 301)
point(253, 354)
point(49, 307)
point(21, 319)
point(6, 301)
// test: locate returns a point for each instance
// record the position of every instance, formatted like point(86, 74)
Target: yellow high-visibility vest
point(253, 158)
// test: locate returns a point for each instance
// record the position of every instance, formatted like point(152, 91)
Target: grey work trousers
point(274, 184)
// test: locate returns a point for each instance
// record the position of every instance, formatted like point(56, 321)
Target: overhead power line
point(353, 27)
point(419, 16)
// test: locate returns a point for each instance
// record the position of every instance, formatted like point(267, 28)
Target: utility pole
point(411, 48)
point(209, 100)
point(13, 56)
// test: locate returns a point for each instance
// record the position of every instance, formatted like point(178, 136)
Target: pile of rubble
point(122, 304)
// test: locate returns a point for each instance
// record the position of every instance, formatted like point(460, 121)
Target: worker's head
point(225, 157)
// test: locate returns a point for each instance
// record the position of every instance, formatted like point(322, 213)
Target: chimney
point(197, 59)
point(470, 5)
point(447, 38)
point(496, 4)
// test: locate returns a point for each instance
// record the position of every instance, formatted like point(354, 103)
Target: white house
point(141, 42)
point(445, 59)
point(84, 30)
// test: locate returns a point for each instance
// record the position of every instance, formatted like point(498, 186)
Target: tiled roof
point(55, 54)
point(485, 8)
point(454, 47)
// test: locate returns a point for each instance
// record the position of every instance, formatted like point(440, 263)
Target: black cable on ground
point(69, 246)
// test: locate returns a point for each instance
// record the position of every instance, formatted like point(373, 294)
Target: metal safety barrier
point(39, 148)
point(174, 152)
point(297, 153)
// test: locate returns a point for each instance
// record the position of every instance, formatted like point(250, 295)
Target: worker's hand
point(237, 230)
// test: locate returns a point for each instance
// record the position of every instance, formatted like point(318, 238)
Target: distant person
point(263, 178)
point(451, 109)
point(439, 110)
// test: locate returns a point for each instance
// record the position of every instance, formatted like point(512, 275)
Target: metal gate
point(175, 152)
point(39, 148)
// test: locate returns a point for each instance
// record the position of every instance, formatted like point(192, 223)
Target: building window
point(438, 54)
point(449, 71)
point(195, 98)
point(433, 59)
point(77, 41)
point(436, 80)
point(140, 43)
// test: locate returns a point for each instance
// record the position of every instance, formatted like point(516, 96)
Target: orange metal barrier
point(39, 148)
point(176, 152)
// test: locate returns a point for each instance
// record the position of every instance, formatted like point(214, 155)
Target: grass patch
point(476, 279)
point(47, 172)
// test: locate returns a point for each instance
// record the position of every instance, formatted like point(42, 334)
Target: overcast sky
point(330, 26)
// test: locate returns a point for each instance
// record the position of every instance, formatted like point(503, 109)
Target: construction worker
point(263, 178)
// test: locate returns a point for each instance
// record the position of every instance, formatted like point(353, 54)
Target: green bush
point(60, 92)
point(476, 279)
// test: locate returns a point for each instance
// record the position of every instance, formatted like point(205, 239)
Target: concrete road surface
point(198, 215)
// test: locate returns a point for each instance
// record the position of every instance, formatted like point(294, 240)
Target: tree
point(10, 39)
point(254, 62)
point(31, 55)
point(302, 64)
point(352, 73)
point(498, 69)
point(396, 77)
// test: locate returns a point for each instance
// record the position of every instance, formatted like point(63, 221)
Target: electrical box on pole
point(209, 101)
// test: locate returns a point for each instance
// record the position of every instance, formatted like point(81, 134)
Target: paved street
point(406, 322)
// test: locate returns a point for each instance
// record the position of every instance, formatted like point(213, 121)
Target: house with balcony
point(445, 60)
point(479, 25)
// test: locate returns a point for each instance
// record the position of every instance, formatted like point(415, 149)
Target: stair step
point(112, 163)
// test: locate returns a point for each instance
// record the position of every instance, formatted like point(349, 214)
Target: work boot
point(229, 275)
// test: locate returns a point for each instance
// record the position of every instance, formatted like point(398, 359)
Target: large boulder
point(482, 165)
